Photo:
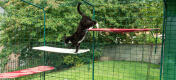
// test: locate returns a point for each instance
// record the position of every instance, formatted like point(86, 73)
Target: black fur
point(85, 23)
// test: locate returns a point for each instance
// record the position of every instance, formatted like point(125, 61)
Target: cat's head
point(87, 22)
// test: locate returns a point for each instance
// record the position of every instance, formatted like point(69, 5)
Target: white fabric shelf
point(60, 50)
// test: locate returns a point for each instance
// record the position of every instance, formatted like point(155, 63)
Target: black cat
point(85, 23)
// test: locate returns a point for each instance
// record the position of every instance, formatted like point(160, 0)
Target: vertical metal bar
point(44, 56)
point(44, 27)
point(44, 40)
point(163, 37)
point(93, 65)
point(93, 44)
point(156, 42)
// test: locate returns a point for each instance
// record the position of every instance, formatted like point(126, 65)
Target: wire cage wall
point(112, 56)
point(169, 41)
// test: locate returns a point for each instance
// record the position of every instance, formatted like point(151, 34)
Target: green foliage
point(147, 39)
point(77, 60)
point(25, 17)
point(131, 15)
point(152, 39)
point(55, 60)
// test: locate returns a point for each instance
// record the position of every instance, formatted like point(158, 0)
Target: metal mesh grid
point(118, 60)
point(169, 42)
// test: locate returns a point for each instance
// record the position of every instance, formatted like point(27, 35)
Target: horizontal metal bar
point(32, 4)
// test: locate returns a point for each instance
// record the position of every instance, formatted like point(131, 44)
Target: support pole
point(163, 38)
point(93, 44)
point(93, 47)
point(37, 6)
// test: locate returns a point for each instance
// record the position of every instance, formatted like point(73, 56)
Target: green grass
point(107, 70)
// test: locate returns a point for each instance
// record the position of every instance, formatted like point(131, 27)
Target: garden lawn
point(107, 70)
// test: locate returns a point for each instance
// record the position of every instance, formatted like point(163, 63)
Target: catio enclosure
point(136, 55)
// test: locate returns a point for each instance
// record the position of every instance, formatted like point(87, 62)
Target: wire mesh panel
point(128, 56)
point(169, 43)
point(19, 36)
point(112, 56)
point(133, 62)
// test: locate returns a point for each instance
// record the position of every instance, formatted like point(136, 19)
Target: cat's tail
point(78, 8)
